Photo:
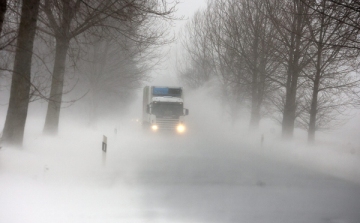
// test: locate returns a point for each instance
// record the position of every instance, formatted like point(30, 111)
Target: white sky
point(188, 7)
point(166, 75)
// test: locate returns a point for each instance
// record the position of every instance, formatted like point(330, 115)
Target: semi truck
point(163, 109)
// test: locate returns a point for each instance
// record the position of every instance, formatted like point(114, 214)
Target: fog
point(216, 172)
point(220, 170)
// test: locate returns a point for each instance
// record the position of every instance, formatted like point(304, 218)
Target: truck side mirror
point(186, 111)
point(148, 109)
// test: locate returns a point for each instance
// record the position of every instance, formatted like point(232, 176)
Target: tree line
point(110, 45)
point(293, 60)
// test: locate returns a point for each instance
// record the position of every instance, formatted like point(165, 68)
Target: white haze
point(215, 173)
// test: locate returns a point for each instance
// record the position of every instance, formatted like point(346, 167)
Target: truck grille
point(167, 124)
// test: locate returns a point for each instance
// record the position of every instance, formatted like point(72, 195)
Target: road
point(203, 177)
point(216, 179)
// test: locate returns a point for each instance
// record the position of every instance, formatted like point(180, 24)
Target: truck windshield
point(167, 109)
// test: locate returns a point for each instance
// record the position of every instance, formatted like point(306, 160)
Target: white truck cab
point(163, 109)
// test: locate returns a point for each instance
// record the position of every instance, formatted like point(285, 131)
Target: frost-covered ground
point(215, 173)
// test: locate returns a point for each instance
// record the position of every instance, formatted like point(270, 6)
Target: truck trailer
point(163, 109)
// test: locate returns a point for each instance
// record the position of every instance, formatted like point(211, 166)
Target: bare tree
point(3, 6)
point(234, 40)
point(207, 57)
point(10, 12)
point(113, 70)
point(344, 12)
point(20, 86)
point(252, 37)
point(289, 18)
point(198, 68)
point(295, 57)
point(331, 64)
point(66, 20)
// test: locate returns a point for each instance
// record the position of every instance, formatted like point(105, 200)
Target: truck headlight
point(154, 127)
point(180, 128)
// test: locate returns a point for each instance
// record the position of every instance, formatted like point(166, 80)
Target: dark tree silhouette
point(67, 19)
point(20, 86)
point(3, 6)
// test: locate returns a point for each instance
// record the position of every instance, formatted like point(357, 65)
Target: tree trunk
point(255, 117)
point(3, 6)
point(288, 122)
point(293, 73)
point(255, 112)
point(20, 84)
point(255, 103)
point(57, 83)
point(255, 106)
point(289, 116)
point(314, 100)
point(313, 110)
point(287, 126)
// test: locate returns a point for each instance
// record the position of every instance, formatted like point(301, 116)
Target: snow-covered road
point(217, 181)
point(152, 178)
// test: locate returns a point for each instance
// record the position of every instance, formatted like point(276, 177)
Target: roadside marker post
point(104, 149)
point(104, 144)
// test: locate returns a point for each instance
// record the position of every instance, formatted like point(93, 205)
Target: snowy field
point(214, 173)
